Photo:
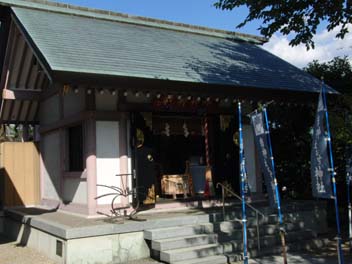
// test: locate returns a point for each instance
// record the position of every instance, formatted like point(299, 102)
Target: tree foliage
point(338, 74)
point(292, 137)
point(301, 18)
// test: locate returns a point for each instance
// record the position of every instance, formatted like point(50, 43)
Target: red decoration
point(207, 189)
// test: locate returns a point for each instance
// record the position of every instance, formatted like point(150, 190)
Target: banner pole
point(349, 209)
point(332, 171)
point(282, 228)
point(242, 174)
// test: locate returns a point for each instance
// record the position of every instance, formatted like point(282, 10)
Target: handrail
point(238, 197)
point(257, 212)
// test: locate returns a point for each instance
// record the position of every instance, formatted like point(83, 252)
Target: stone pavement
point(10, 253)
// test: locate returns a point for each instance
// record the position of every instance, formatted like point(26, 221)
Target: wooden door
point(143, 159)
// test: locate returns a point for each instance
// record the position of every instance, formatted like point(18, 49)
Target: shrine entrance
point(169, 155)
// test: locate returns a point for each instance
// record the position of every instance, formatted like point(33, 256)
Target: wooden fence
point(19, 174)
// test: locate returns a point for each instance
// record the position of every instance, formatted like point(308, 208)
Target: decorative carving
point(151, 196)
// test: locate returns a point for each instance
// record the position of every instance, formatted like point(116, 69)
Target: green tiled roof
point(90, 43)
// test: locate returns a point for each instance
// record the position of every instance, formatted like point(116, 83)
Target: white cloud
point(326, 48)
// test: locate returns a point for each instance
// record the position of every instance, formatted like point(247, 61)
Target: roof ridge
point(126, 18)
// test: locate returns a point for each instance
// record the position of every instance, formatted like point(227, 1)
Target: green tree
point(292, 126)
point(300, 18)
point(338, 74)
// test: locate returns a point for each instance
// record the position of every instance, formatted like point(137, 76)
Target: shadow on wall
point(246, 65)
point(9, 195)
point(19, 174)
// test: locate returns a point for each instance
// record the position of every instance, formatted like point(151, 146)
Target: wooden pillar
point(123, 149)
point(25, 133)
point(90, 143)
point(209, 188)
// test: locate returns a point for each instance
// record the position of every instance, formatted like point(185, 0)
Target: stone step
point(181, 242)
point(315, 243)
point(177, 231)
point(232, 231)
point(217, 259)
point(267, 241)
point(182, 254)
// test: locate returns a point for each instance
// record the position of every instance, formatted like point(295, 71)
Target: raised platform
point(68, 238)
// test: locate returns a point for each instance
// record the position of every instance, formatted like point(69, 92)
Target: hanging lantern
point(185, 130)
point(167, 129)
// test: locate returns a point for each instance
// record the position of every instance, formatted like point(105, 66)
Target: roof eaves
point(124, 18)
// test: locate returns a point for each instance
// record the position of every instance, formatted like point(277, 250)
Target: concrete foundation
point(72, 239)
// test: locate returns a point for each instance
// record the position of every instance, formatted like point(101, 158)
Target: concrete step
point(186, 241)
point(218, 259)
point(182, 254)
point(177, 231)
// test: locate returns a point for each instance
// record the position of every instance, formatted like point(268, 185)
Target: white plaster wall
point(50, 145)
point(249, 151)
point(105, 101)
point(108, 158)
point(74, 102)
point(75, 191)
point(49, 111)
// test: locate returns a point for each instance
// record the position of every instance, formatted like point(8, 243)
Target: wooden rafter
point(19, 110)
point(26, 118)
point(21, 63)
point(12, 105)
point(43, 65)
point(29, 73)
point(36, 80)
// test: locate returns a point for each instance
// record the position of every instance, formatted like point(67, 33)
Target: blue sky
point(202, 12)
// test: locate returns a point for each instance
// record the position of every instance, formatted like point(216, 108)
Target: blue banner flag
point(260, 135)
point(319, 168)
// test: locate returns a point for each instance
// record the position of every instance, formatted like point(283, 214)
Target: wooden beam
point(90, 99)
point(18, 122)
point(107, 115)
point(20, 68)
point(17, 94)
point(69, 121)
point(54, 90)
point(80, 117)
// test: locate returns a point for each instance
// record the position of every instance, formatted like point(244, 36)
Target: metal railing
point(257, 212)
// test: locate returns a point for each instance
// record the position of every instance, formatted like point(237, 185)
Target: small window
point(75, 148)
